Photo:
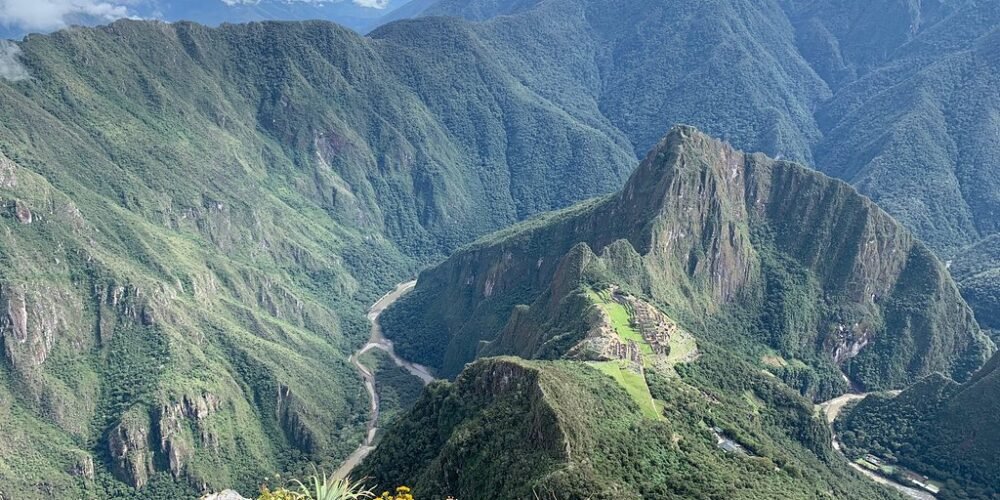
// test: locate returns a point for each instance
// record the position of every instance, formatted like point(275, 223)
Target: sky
point(22, 16)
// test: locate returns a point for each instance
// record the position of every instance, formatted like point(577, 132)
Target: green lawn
point(633, 383)
point(622, 323)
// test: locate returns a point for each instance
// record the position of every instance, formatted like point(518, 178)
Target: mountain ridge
point(713, 231)
point(564, 429)
point(938, 427)
point(208, 213)
point(225, 202)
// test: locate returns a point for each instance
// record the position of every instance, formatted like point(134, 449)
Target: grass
point(682, 344)
point(621, 320)
point(633, 383)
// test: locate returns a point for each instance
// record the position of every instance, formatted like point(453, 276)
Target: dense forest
point(738, 248)
point(563, 429)
point(194, 220)
point(937, 427)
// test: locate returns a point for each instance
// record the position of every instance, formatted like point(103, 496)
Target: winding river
point(831, 409)
point(377, 341)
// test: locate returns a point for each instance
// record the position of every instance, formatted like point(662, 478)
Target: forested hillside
point(736, 248)
point(195, 219)
point(937, 427)
point(563, 429)
point(896, 97)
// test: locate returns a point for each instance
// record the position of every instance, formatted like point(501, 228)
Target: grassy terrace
point(634, 383)
point(621, 320)
point(682, 345)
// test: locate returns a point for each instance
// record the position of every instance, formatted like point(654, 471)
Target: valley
point(649, 238)
point(702, 240)
point(377, 341)
point(831, 410)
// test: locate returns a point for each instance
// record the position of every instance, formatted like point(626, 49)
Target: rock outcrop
point(710, 233)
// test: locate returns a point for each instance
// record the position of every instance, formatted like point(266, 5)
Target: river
point(377, 341)
point(832, 409)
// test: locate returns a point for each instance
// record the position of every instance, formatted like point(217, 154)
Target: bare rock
point(84, 467)
point(22, 212)
point(129, 448)
point(224, 495)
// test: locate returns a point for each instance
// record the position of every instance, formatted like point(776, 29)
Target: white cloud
point(49, 15)
point(374, 4)
point(10, 67)
point(54, 14)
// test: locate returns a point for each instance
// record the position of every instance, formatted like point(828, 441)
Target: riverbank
point(831, 409)
point(377, 341)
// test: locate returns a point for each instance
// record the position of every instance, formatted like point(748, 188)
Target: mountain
point(206, 213)
point(977, 269)
point(938, 427)
point(16, 21)
point(360, 16)
point(564, 429)
point(735, 247)
point(895, 97)
point(196, 219)
point(729, 67)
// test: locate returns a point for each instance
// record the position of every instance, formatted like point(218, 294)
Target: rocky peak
point(684, 164)
point(705, 230)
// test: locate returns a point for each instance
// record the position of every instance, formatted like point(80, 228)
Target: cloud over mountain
point(54, 14)
point(10, 67)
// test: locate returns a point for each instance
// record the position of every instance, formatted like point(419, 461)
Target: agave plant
point(323, 487)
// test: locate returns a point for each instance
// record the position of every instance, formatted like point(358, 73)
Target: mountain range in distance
point(196, 219)
point(19, 18)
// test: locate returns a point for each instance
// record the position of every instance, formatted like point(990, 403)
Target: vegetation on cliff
point(737, 248)
point(193, 220)
point(562, 429)
point(895, 97)
point(937, 427)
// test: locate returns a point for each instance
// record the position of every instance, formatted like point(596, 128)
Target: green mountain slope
point(977, 270)
point(937, 427)
point(739, 248)
point(729, 67)
point(195, 220)
point(562, 429)
point(894, 96)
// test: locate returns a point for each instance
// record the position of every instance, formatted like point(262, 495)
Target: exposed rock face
point(289, 413)
point(84, 466)
point(8, 173)
point(22, 212)
point(182, 427)
point(33, 317)
point(175, 422)
point(129, 447)
point(705, 230)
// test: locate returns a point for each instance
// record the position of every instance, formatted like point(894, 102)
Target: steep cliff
point(735, 246)
point(564, 429)
point(193, 221)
